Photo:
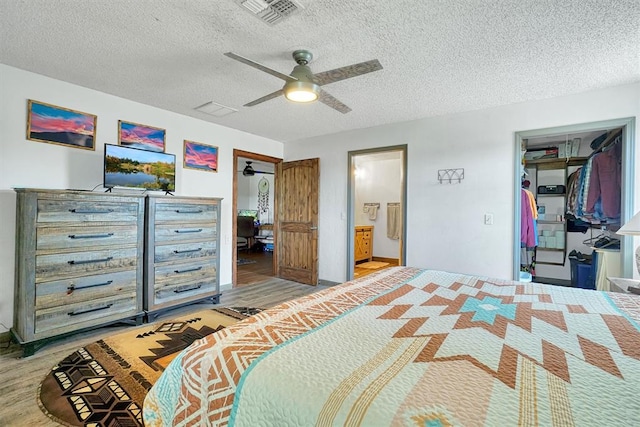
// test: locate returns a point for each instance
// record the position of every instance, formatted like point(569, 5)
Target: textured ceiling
point(439, 57)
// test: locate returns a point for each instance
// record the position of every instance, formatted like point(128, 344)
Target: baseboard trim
point(226, 287)
point(327, 282)
point(5, 337)
point(393, 261)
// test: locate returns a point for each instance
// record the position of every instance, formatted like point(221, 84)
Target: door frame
point(351, 201)
point(627, 197)
point(234, 207)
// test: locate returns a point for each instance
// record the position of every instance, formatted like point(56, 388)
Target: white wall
point(25, 163)
point(445, 227)
point(248, 189)
point(378, 181)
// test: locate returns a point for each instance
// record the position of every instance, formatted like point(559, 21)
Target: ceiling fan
point(304, 86)
point(249, 171)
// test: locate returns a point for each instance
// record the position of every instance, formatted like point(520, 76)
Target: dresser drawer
point(82, 237)
point(175, 233)
point(185, 251)
point(83, 211)
point(184, 280)
point(86, 313)
point(185, 291)
point(74, 264)
point(80, 289)
point(167, 275)
point(186, 212)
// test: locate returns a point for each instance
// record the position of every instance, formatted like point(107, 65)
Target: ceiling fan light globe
point(301, 91)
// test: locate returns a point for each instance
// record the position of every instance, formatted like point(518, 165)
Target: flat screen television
point(135, 168)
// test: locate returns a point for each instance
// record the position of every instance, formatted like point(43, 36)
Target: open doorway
point(377, 210)
point(254, 213)
point(566, 233)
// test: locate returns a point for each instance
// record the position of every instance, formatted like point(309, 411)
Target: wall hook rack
point(450, 175)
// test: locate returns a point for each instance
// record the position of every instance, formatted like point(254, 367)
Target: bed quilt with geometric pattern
point(417, 348)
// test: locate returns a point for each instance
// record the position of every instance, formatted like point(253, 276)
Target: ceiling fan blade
point(264, 98)
point(265, 172)
point(260, 67)
point(347, 72)
point(328, 99)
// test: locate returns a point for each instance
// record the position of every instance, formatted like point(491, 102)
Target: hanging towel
point(394, 221)
point(373, 212)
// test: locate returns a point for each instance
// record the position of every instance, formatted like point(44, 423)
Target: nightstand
point(619, 284)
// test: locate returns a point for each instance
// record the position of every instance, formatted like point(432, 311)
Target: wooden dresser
point(182, 262)
point(363, 244)
point(78, 263)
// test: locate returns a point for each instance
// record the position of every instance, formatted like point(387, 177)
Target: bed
point(415, 347)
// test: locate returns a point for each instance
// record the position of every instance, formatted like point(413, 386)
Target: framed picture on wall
point(200, 156)
point(141, 136)
point(61, 126)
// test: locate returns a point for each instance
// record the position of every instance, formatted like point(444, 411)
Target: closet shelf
point(546, 221)
point(556, 163)
point(551, 250)
point(551, 195)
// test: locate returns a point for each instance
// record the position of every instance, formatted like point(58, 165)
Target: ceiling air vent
point(215, 109)
point(270, 11)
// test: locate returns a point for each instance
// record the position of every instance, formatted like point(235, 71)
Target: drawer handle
point(90, 261)
point(91, 211)
point(90, 236)
point(186, 251)
point(193, 230)
point(72, 288)
point(178, 291)
point(187, 270)
point(76, 313)
point(189, 211)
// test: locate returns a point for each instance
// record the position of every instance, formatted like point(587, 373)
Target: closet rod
point(610, 138)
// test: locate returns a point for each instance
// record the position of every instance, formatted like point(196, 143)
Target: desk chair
point(246, 232)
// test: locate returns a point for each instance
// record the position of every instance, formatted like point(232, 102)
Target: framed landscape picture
point(61, 126)
point(200, 156)
point(141, 136)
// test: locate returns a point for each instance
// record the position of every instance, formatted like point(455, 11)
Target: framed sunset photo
point(61, 126)
point(140, 136)
point(200, 156)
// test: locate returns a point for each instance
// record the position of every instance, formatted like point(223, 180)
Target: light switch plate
point(488, 219)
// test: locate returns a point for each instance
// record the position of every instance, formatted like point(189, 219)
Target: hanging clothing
point(527, 228)
point(534, 214)
point(573, 183)
point(532, 203)
point(606, 182)
point(394, 221)
point(583, 190)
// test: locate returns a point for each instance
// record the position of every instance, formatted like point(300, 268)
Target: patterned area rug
point(105, 383)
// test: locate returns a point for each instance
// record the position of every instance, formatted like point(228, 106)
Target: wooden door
point(298, 220)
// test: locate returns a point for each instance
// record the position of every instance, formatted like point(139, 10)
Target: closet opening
point(376, 210)
point(574, 190)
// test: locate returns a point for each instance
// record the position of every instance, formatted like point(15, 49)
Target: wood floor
point(257, 272)
point(20, 378)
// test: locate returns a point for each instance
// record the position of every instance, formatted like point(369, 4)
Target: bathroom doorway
point(376, 209)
